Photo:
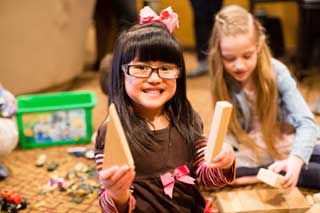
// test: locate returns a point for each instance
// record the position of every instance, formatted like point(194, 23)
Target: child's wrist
point(229, 172)
point(122, 201)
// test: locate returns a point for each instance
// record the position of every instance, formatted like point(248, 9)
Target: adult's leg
point(204, 12)
point(126, 13)
point(102, 17)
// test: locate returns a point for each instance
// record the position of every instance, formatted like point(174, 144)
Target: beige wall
point(287, 11)
point(42, 42)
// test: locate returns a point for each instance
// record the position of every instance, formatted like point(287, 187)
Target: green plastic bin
point(55, 118)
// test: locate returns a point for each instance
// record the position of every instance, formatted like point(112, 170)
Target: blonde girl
point(271, 125)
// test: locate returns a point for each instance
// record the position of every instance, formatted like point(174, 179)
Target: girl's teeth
point(153, 91)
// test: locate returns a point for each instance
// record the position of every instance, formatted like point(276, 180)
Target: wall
point(42, 42)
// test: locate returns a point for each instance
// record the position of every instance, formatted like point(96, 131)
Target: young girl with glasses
point(271, 125)
point(165, 134)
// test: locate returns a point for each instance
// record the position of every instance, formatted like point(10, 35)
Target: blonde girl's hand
point(225, 158)
point(117, 181)
point(292, 166)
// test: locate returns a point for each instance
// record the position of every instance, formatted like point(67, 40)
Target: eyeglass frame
point(125, 69)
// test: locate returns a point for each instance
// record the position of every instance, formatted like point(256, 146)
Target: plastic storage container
point(55, 118)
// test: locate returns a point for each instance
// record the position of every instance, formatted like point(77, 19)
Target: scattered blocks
point(262, 201)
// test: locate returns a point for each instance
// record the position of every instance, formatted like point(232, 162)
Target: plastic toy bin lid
point(55, 101)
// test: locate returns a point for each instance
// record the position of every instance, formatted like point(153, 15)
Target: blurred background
point(47, 43)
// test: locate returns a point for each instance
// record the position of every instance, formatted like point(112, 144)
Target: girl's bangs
point(154, 48)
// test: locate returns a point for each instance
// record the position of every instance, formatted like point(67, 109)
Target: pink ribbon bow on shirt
point(167, 16)
point(180, 174)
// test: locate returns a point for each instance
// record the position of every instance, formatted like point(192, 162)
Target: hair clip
point(167, 17)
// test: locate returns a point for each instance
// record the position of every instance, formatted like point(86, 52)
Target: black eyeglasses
point(145, 71)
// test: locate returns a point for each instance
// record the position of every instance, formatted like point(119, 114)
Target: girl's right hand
point(225, 158)
point(117, 181)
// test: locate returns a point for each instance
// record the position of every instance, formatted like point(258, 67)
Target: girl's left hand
point(292, 166)
point(225, 158)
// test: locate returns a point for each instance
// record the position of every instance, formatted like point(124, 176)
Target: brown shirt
point(170, 152)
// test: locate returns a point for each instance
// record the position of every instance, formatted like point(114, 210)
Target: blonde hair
point(233, 20)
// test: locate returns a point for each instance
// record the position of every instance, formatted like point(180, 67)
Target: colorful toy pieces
point(11, 201)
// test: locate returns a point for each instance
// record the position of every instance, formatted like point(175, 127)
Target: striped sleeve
point(208, 176)
point(106, 203)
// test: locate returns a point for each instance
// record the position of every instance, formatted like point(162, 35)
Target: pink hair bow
point(180, 174)
point(167, 16)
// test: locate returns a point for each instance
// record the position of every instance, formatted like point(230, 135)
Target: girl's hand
point(117, 181)
point(225, 158)
point(292, 166)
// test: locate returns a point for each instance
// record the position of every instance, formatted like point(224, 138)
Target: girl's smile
point(153, 91)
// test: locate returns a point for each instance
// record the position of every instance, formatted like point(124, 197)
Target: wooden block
point(310, 199)
point(228, 202)
point(251, 201)
point(262, 201)
point(219, 127)
point(316, 198)
point(269, 177)
point(239, 202)
point(116, 148)
point(314, 209)
point(296, 200)
point(273, 199)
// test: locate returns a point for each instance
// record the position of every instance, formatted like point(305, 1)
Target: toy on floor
point(11, 201)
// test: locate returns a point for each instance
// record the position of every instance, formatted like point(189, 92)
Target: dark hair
point(151, 42)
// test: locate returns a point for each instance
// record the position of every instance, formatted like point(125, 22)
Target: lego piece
point(77, 151)
point(89, 154)
point(11, 201)
point(219, 127)
point(41, 160)
point(116, 148)
point(52, 166)
point(269, 177)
